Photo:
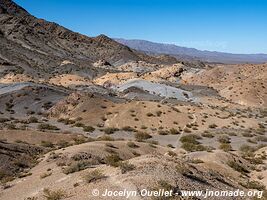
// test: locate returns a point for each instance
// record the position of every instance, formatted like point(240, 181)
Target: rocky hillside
point(35, 43)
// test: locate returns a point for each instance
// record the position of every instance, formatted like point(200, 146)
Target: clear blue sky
point(238, 26)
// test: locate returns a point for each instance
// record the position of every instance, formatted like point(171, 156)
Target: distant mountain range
point(185, 53)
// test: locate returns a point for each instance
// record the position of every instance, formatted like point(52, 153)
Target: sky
point(235, 26)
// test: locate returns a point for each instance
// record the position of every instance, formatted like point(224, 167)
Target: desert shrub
point(207, 135)
point(47, 144)
point(33, 120)
point(196, 161)
point(54, 195)
point(170, 145)
point(143, 127)
point(224, 139)
point(193, 147)
point(110, 145)
point(172, 154)
point(44, 175)
point(158, 113)
point(110, 150)
point(261, 138)
point(93, 176)
point(174, 131)
point(187, 130)
point(162, 184)
point(88, 128)
point(149, 114)
point(154, 142)
point(126, 167)
point(11, 126)
point(128, 128)
point(110, 130)
point(30, 112)
point(79, 124)
point(162, 132)
point(142, 136)
point(105, 138)
point(44, 126)
point(237, 167)
point(212, 126)
point(247, 134)
point(132, 145)
point(76, 167)
point(253, 141)
point(254, 185)
point(113, 160)
point(81, 140)
point(190, 139)
point(63, 144)
point(225, 147)
point(68, 121)
point(247, 151)
point(3, 120)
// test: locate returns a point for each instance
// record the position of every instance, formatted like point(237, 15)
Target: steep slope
point(192, 53)
point(35, 43)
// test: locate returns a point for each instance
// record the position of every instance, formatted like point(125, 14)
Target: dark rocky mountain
point(191, 53)
point(37, 44)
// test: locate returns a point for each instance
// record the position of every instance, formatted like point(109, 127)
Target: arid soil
point(79, 113)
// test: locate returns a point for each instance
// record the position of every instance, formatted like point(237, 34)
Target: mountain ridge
point(192, 53)
point(36, 44)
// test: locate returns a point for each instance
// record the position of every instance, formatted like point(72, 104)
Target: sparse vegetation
point(237, 167)
point(110, 130)
point(94, 176)
point(225, 147)
point(132, 145)
point(142, 136)
point(88, 129)
point(44, 126)
point(126, 167)
point(76, 166)
point(54, 194)
point(113, 160)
